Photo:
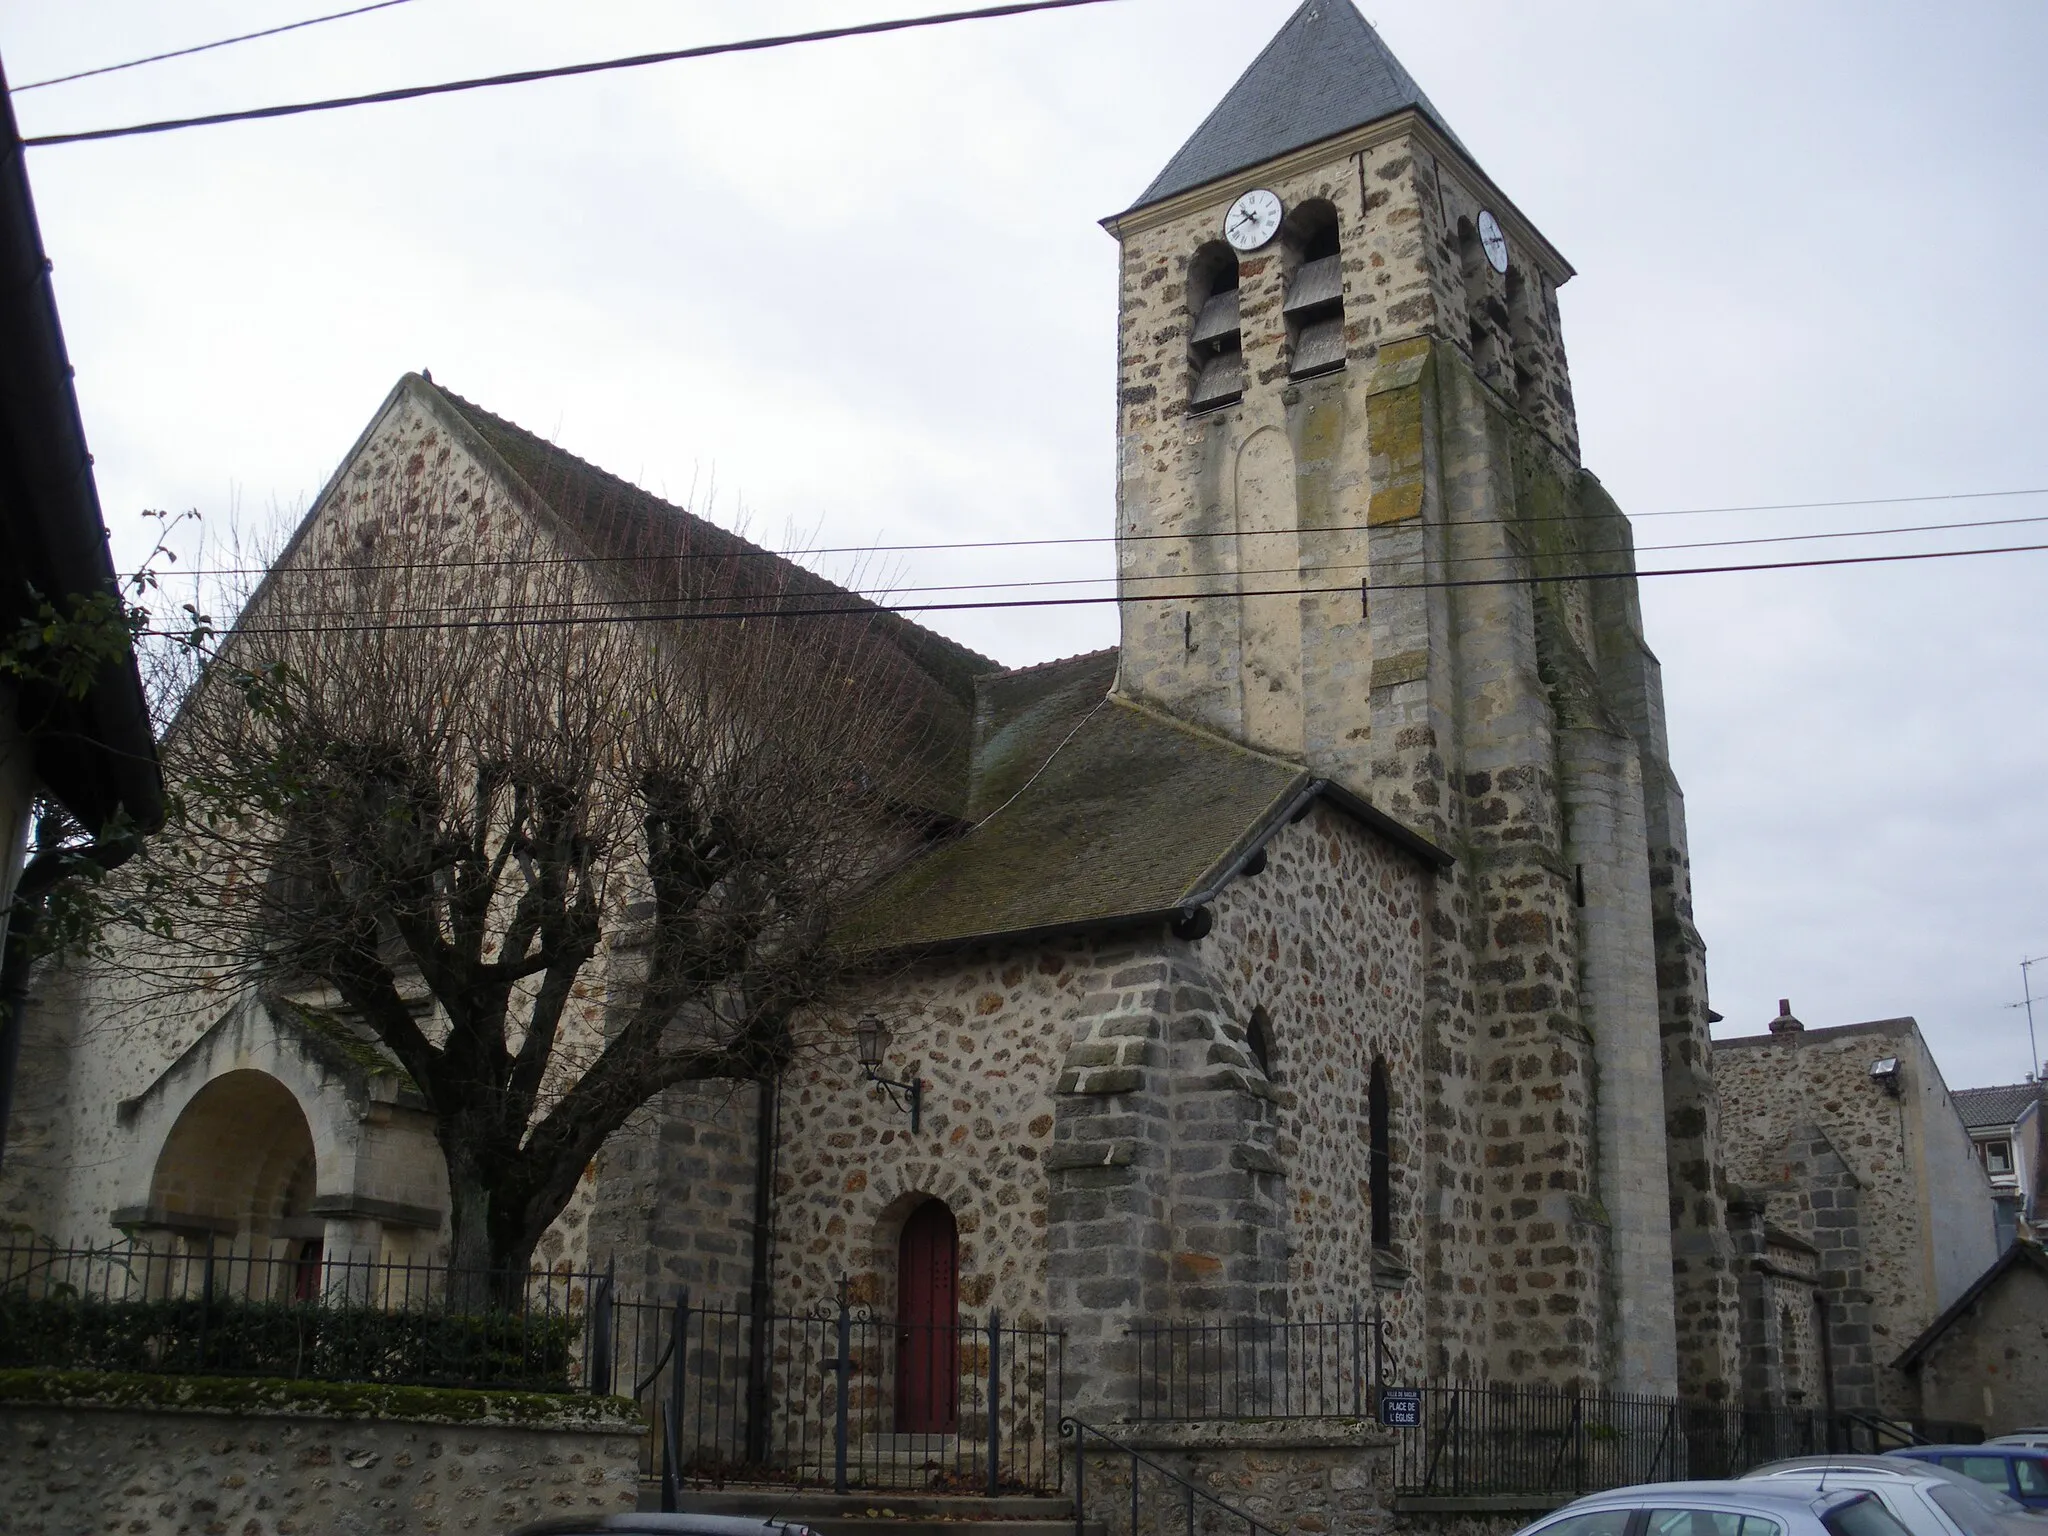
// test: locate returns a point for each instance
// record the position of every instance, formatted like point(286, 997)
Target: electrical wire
point(179, 53)
point(613, 603)
point(754, 553)
point(556, 72)
point(857, 605)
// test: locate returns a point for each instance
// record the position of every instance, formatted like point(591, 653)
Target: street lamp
point(871, 1042)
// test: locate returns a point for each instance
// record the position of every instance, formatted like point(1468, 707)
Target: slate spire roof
point(1326, 72)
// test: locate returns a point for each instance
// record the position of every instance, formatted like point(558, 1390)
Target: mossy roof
point(1132, 814)
point(639, 539)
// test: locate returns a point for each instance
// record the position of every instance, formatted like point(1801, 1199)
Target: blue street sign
point(1401, 1407)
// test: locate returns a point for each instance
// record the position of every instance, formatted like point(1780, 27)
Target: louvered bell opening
point(1217, 321)
point(1319, 346)
point(1315, 282)
point(1220, 381)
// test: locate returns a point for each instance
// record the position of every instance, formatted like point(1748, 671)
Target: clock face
point(1253, 219)
point(1493, 242)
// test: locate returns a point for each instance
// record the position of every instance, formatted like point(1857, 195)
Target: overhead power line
point(179, 53)
point(614, 603)
point(854, 605)
point(559, 71)
point(496, 561)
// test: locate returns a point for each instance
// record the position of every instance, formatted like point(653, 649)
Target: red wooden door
point(928, 1322)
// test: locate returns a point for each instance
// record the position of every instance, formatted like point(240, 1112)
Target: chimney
point(1784, 1023)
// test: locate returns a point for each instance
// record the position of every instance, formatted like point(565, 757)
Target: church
point(1327, 944)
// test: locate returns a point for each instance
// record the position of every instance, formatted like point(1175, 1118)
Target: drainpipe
point(767, 1126)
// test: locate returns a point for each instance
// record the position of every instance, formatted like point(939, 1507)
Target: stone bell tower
point(1354, 531)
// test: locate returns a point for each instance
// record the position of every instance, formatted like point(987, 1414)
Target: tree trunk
point(487, 1261)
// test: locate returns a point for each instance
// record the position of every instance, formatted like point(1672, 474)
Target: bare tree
point(562, 816)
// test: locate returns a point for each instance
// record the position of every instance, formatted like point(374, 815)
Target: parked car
point(1927, 1505)
point(2037, 1437)
point(1998, 1502)
point(662, 1525)
point(1721, 1509)
point(2018, 1470)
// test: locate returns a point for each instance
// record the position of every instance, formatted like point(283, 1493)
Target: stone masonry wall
point(1991, 1366)
point(1332, 1477)
point(1840, 1163)
point(114, 1037)
point(1328, 939)
point(64, 1470)
point(1550, 1237)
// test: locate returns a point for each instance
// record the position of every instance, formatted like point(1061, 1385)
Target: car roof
point(1846, 1462)
point(1750, 1494)
point(647, 1524)
point(1990, 1448)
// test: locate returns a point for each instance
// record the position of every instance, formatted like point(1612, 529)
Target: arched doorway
point(928, 1322)
point(240, 1162)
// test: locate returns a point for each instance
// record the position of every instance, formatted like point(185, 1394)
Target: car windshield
point(1713, 1522)
point(1862, 1517)
point(1969, 1512)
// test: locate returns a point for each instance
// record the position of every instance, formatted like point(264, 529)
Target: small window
point(1215, 340)
point(1258, 1036)
point(1314, 306)
point(1998, 1156)
point(1988, 1470)
point(1862, 1517)
point(1709, 1522)
point(1379, 1113)
point(1601, 1522)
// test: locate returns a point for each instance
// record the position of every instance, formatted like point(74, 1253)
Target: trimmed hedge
point(321, 1341)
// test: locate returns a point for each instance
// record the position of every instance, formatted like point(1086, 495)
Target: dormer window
point(1998, 1158)
point(1314, 307)
point(1215, 341)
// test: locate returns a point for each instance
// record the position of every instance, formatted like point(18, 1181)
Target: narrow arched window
point(1314, 306)
point(1380, 1140)
point(1215, 341)
point(1258, 1038)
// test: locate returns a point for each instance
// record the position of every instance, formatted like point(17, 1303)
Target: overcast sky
point(857, 290)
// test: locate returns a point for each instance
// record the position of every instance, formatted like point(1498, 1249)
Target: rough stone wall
point(115, 1037)
point(1484, 717)
point(1991, 1366)
point(1333, 1477)
point(164, 1473)
point(1228, 1194)
point(673, 1202)
point(1858, 1173)
point(1329, 939)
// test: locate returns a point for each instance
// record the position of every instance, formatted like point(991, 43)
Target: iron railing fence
point(173, 1311)
point(843, 1398)
point(1532, 1440)
point(1256, 1369)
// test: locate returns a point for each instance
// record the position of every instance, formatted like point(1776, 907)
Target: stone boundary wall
point(1327, 1477)
point(69, 1465)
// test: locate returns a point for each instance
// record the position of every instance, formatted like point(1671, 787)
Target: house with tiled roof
point(2005, 1125)
point(1324, 950)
